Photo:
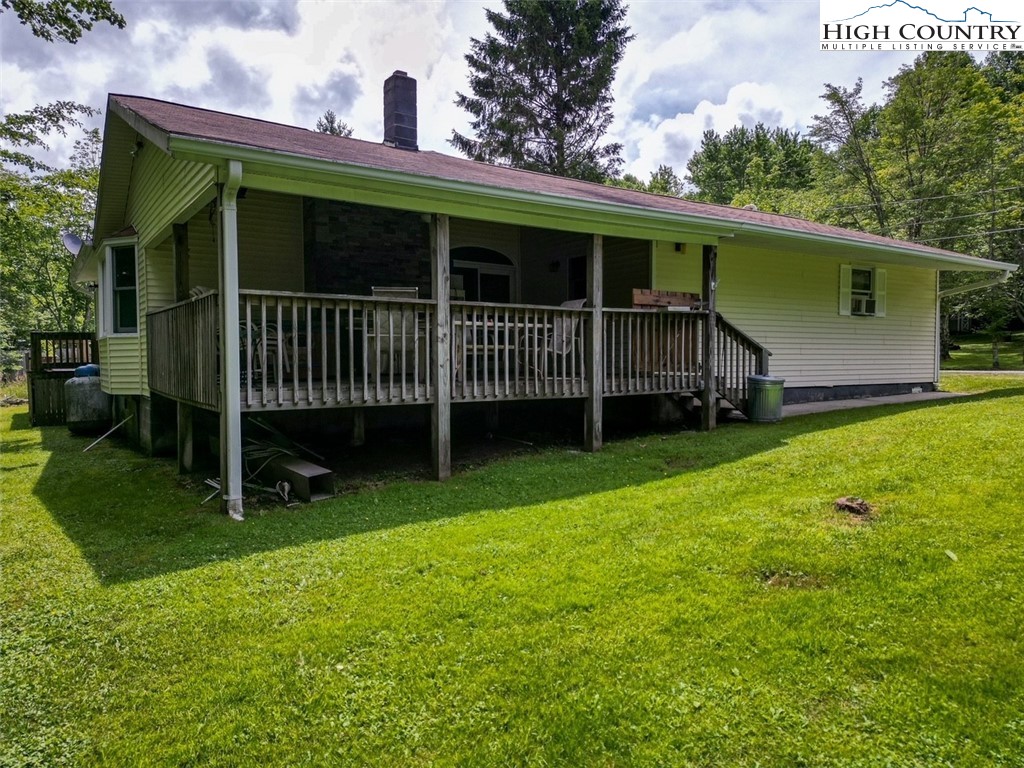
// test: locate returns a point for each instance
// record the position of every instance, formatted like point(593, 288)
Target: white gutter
point(975, 286)
point(230, 349)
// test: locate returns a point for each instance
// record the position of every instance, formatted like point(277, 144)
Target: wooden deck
point(304, 351)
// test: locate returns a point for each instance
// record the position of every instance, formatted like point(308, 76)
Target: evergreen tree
point(329, 123)
point(542, 87)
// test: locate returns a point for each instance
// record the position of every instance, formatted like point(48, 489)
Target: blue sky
point(694, 64)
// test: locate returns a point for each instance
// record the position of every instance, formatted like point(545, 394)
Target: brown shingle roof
point(220, 127)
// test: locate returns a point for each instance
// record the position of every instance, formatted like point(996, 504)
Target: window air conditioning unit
point(862, 305)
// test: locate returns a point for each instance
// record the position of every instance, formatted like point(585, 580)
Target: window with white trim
point(861, 291)
point(119, 305)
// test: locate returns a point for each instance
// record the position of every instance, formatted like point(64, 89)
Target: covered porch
point(335, 304)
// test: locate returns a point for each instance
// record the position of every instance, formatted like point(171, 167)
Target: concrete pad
point(822, 406)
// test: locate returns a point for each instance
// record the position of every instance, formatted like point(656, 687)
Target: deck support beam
point(709, 344)
point(441, 408)
point(592, 430)
point(230, 348)
point(186, 439)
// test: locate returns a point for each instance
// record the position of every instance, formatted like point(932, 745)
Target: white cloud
point(692, 64)
point(671, 141)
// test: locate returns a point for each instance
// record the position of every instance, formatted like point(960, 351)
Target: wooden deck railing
point(651, 351)
point(739, 356)
point(320, 350)
point(61, 350)
point(517, 351)
point(302, 349)
point(181, 343)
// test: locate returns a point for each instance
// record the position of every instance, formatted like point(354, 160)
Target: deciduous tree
point(63, 19)
point(38, 204)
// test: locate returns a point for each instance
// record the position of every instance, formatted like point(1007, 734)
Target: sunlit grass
point(689, 599)
point(975, 354)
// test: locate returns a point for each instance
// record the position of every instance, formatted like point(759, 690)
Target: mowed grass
point(975, 354)
point(684, 599)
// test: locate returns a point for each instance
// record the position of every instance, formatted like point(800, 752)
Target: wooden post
point(441, 409)
point(594, 375)
point(358, 427)
point(186, 432)
point(709, 287)
point(181, 279)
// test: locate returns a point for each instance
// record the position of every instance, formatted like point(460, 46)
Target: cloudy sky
point(694, 64)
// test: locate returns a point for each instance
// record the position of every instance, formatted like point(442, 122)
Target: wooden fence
point(53, 358)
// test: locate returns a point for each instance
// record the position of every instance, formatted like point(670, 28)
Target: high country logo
point(903, 25)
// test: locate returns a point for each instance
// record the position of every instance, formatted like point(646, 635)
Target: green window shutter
point(844, 289)
point(879, 293)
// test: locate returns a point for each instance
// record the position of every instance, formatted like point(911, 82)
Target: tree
point(541, 87)
point(751, 165)
point(846, 132)
point(329, 123)
point(663, 182)
point(37, 205)
point(63, 19)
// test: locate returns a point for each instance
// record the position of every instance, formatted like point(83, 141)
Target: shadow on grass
point(133, 517)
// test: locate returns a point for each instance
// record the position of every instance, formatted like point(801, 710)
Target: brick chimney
point(400, 111)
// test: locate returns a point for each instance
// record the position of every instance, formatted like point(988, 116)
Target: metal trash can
point(764, 398)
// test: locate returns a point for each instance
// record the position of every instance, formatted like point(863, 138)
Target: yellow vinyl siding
point(676, 270)
point(790, 303)
point(120, 365)
point(270, 242)
point(156, 290)
point(163, 190)
point(270, 246)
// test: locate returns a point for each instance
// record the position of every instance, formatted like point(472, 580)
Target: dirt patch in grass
point(786, 578)
point(855, 510)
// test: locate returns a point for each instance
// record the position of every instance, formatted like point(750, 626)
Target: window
point(486, 275)
point(124, 302)
point(861, 291)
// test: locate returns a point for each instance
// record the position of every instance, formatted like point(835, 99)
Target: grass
point(975, 354)
point(686, 599)
point(14, 389)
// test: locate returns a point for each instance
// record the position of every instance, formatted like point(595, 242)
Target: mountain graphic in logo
point(903, 6)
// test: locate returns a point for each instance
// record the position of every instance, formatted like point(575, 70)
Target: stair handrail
point(761, 352)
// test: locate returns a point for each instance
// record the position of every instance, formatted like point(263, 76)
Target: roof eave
point(645, 219)
point(898, 254)
point(204, 150)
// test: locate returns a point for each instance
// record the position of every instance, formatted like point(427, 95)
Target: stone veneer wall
point(350, 247)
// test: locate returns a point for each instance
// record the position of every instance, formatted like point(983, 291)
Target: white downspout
point(938, 331)
point(230, 352)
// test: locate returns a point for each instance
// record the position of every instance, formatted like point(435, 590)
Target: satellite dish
point(72, 242)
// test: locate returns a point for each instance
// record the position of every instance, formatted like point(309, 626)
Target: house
point(356, 275)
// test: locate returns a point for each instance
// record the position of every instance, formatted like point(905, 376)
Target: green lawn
point(975, 354)
point(686, 599)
